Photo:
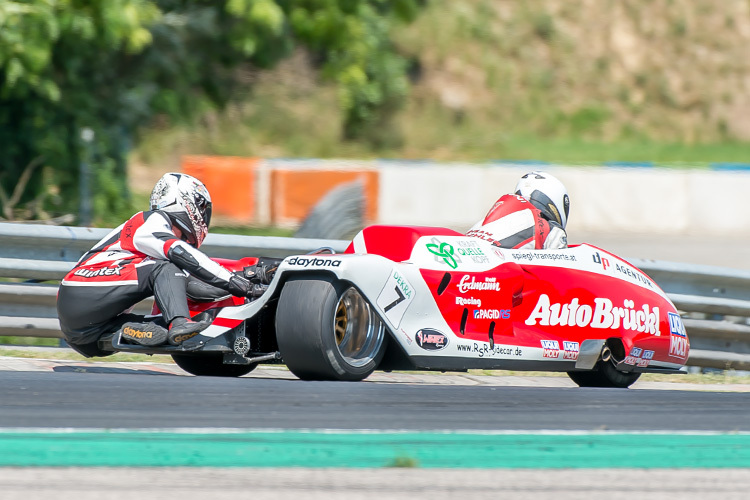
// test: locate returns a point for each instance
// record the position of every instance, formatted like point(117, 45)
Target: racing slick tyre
point(326, 330)
point(604, 375)
point(210, 365)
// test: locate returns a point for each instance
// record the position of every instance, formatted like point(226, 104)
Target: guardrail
point(715, 300)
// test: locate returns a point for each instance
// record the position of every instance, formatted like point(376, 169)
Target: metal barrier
point(715, 301)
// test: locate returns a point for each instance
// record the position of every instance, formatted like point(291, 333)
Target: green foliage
point(70, 66)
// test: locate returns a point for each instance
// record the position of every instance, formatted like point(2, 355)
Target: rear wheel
point(326, 330)
point(210, 365)
point(604, 375)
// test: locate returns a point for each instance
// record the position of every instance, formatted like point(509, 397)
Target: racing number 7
point(395, 302)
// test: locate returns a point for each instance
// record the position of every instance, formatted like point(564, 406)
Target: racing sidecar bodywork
point(433, 299)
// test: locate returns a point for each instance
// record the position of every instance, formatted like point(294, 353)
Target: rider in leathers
point(152, 253)
point(534, 217)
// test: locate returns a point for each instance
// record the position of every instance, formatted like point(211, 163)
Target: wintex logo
point(102, 271)
point(313, 262)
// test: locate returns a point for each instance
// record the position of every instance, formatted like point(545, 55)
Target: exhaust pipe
point(606, 354)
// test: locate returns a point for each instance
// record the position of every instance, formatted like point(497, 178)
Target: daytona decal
point(313, 262)
point(602, 315)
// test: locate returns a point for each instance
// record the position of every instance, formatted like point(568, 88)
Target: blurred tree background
point(120, 87)
point(80, 80)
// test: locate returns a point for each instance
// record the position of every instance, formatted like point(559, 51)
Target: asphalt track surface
point(89, 396)
point(65, 394)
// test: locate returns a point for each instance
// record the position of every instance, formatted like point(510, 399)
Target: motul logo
point(603, 315)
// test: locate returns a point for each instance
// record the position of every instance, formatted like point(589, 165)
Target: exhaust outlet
point(606, 354)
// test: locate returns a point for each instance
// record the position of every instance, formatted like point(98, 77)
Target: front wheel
point(604, 375)
point(210, 365)
point(326, 330)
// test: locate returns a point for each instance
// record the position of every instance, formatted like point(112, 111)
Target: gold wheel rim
point(340, 322)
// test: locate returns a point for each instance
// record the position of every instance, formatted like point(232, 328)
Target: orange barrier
point(231, 182)
point(294, 192)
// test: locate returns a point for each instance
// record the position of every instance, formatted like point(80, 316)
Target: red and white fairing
point(520, 305)
point(455, 302)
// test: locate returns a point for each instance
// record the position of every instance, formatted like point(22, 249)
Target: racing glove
point(263, 271)
point(240, 286)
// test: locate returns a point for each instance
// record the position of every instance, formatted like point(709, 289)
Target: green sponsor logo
point(445, 251)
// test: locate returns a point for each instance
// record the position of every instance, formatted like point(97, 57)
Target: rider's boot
point(146, 334)
point(182, 329)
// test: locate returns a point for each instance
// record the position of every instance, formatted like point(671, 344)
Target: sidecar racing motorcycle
point(427, 298)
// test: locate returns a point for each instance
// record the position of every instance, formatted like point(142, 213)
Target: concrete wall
point(603, 199)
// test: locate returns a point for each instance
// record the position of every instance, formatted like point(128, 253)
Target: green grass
point(511, 81)
point(578, 151)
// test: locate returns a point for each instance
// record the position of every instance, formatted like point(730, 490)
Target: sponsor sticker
point(313, 262)
point(443, 252)
point(621, 269)
point(395, 297)
point(468, 301)
point(677, 336)
point(484, 350)
point(571, 350)
point(468, 283)
point(471, 250)
point(102, 271)
point(639, 357)
point(603, 314)
point(550, 348)
point(431, 340)
point(491, 313)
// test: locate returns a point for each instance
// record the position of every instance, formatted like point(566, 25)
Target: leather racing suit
point(140, 258)
point(513, 222)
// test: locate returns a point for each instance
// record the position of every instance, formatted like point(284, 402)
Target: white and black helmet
point(547, 194)
point(186, 202)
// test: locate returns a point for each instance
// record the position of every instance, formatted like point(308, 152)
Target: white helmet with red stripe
point(547, 194)
point(186, 202)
